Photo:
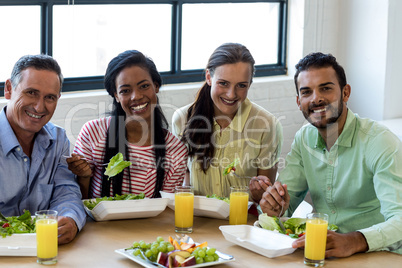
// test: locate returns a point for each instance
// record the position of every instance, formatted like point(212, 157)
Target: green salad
point(231, 166)
point(295, 227)
point(226, 199)
point(90, 204)
point(17, 224)
point(116, 165)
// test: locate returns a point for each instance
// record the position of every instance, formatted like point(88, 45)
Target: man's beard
point(336, 111)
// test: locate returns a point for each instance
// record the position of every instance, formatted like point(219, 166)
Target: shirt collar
point(348, 132)
point(240, 118)
point(346, 137)
point(9, 141)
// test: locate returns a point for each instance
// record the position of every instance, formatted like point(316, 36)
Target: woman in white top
point(137, 129)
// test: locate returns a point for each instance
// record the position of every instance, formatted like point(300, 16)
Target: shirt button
point(333, 211)
point(18, 149)
point(329, 188)
point(25, 159)
point(330, 162)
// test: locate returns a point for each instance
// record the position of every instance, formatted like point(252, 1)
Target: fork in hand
point(244, 177)
point(89, 161)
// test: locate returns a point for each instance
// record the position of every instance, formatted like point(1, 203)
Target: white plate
point(18, 245)
point(205, 207)
point(127, 209)
point(128, 254)
point(267, 243)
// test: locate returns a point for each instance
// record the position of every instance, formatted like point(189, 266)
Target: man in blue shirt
point(33, 174)
point(352, 166)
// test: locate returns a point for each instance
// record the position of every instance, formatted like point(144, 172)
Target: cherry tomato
point(6, 225)
point(300, 235)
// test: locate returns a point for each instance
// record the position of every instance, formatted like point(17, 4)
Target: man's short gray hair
point(38, 62)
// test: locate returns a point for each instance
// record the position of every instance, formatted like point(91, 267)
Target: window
point(83, 36)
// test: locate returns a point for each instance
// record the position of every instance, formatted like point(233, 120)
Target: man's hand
point(67, 230)
point(273, 198)
point(257, 187)
point(340, 245)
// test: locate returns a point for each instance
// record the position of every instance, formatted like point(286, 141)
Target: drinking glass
point(316, 239)
point(184, 209)
point(46, 236)
point(238, 205)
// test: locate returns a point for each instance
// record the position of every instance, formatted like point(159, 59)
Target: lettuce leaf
point(297, 225)
point(116, 165)
point(332, 227)
point(294, 226)
point(269, 223)
point(18, 224)
point(91, 203)
point(226, 199)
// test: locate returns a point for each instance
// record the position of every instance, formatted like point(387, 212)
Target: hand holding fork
point(88, 161)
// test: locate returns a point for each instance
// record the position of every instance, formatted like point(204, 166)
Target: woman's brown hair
point(200, 115)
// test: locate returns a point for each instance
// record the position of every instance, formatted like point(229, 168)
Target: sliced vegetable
point(231, 166)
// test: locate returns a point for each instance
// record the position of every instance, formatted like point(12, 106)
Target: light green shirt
point(358, 183)
point(254, 136)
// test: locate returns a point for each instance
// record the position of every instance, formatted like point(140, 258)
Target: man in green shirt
point(351, 166)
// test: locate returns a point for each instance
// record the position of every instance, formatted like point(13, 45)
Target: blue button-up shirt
point(42, 181)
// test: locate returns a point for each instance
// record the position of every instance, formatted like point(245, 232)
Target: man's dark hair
point(318, 60)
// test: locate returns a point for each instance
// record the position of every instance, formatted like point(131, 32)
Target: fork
point(89, 161)
point(95, 162)
point(244, 177)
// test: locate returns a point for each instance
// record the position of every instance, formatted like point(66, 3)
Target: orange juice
point(184, 209)
point(46, 237)
point(238, 208)
point(316, 239)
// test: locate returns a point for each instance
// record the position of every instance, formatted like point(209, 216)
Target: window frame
point(175, 75)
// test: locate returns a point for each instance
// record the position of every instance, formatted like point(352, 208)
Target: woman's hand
point(81, 168)
point(78, 166)
point(257, 187)
point(264, 179)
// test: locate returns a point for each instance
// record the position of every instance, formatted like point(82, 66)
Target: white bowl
point(127, 209)
point(18, 245)
point(267, 243)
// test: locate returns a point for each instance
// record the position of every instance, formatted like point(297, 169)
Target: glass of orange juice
point(316, 239)
point(184, 209)
point(238, 205)
point(46, 236)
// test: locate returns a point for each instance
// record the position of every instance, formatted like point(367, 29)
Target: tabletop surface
point(94, 246)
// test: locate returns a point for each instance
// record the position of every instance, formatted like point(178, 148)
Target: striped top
point(91, 143)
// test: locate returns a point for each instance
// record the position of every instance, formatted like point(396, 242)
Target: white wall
point(365, 36)
point(393, 93)
point(370, 38)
